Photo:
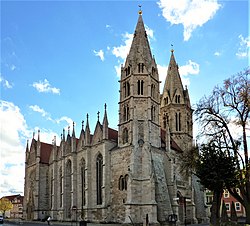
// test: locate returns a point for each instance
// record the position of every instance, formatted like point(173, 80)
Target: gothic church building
point(127, 176)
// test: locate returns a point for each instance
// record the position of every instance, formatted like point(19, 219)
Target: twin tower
point(127, 176)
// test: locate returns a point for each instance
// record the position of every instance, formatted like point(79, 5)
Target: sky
point(60, 60)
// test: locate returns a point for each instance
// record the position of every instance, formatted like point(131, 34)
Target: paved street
point(40, 223)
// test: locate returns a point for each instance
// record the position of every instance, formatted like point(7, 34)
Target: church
point(129, 176)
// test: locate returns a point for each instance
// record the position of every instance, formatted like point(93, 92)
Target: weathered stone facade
point(124, 176)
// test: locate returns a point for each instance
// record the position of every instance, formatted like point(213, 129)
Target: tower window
point(177, 99)
point(153, 113)
point(125, 113)
point(140, 87)
point(178, 121)
point(125, 136)
point(126, 89)
point(165, 100)
point(99, 176)
point(153, 90)
point(140, 68)
point(83, 181)
point(123, 182)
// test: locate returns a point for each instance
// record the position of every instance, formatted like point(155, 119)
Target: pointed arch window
point(126, 113)
point(99, 178)
point(153, 90)
point(177, 99)
point(140, 68)
point(83, 182)
point(153, 71)
point(126, 89)
point(140, 87)
point(60, 186)
point(51, 189)
point(123, 183)
point(178, 121)
point(125, 136)
point(68, 188)
point(153, 113)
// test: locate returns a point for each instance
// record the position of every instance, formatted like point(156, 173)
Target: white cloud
point(123, 50)
point(13, 135)
point(190, 13)
point(45, 114)
point(45, 87)
point(5, 83)
point(191, 68)
point(100, 54)
point(243, 50)
point(66, 119)
point(217, 53)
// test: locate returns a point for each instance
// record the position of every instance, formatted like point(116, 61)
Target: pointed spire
point(87, 132)
point(173, 80)
point(140, 49)
point(63, 134)
point(98, 116)
point(27, 146)
point(105, 123)
point(82, 124)
point(38, 136)
point(73, 131)
point(105, 118)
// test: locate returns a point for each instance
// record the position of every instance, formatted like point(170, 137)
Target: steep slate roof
point(173, 144)
point(46, 150)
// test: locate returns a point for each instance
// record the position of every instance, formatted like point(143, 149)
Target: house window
point(227, 206)
point(226, 194)
point(99, 177)
point(237, 206)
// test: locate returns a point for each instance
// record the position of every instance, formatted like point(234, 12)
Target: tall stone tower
point(175, 111)
point(139, 127)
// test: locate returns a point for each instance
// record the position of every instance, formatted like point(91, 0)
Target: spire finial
point(105, 106)
point(82, 124)
point(98, 115)
point(140, 11)
point(172, 48)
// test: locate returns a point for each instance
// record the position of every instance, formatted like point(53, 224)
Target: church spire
point(173, 79)
point(140, 48)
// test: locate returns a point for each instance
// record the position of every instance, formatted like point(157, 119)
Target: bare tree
point(221, 115)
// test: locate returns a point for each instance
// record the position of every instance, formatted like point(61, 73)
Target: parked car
point(1, 219)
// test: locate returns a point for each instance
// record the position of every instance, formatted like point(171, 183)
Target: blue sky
point(61, 60)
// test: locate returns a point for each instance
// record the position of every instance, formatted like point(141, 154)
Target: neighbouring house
point(17, 211)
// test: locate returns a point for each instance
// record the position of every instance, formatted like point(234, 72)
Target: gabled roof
point(46, 150)
point(113, 135)
point(173, 144)
point(11, 198)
